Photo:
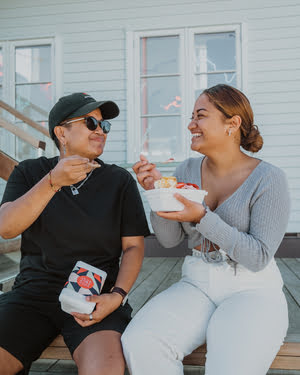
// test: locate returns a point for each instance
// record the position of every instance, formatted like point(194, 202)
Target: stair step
point(7, 246)
point(9, 268)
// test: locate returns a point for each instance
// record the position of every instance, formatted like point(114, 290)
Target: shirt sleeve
point(16, 186)
point(169, 233)
point(134, 222)
point(268, 221)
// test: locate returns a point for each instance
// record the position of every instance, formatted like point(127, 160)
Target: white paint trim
point(57, 68)
point(9, 83)
point(133, 86)
point(6, 68)
point(130, 96)
point(244, 57)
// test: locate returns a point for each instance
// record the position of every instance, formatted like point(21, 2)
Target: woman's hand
point(193, 212)
point(71, 170)
point(146, 173)
point(105, 305)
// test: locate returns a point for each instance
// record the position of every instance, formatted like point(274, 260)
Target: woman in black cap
point(69, 208)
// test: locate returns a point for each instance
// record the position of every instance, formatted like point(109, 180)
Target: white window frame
point(186, 61)
point(9, 64)
point(5, 81)
point(30, 43)
point(9, 47)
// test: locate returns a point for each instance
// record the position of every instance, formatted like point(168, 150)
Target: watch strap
point(116, 289)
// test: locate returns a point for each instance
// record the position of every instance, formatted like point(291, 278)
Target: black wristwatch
point(116, 289)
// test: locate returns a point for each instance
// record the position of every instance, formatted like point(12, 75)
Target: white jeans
point(243, 318)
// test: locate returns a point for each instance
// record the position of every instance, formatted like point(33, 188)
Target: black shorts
point(28, 324)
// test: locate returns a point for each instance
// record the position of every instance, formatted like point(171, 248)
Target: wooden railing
point(24, 118)
point(22, 134)
point(14, 129)
point(7, 165)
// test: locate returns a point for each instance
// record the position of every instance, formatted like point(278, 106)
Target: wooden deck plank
point(149, 265)
point(294, 314)
point(291, 281)
point(145, 290)
point(293, 264)
point(173, 276)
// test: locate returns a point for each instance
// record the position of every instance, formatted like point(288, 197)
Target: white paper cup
point(164, 200)
point(84, 280)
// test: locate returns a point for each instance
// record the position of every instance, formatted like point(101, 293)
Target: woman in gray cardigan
point(230, 294)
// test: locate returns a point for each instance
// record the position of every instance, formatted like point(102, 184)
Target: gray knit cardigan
point(249, 225)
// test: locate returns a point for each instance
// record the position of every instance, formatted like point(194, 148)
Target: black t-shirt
point(87, 227)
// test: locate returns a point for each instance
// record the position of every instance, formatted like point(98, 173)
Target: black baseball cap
point(76, 105)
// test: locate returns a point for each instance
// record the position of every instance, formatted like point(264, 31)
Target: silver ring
point(91, 316)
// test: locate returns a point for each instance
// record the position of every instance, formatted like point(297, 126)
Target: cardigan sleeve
point(270, 207)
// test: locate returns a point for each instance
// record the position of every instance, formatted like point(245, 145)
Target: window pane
point(160, 138)
point(160, 95)
point(34, 101)
point(33, 64)
point(203, 81)
point(215, 52)
point(1, 66)
point(159, 55)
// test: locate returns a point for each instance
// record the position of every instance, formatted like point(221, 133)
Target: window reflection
point(160, 139)
point(33, 92)
point(214, 52)
point(33, 64)
point(159, 55)
point(160, 97)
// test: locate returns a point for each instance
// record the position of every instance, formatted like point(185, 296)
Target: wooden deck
point(158, 274)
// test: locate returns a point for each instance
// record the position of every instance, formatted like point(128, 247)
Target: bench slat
point(288, 357)
point(286, 363)
point(53, 352)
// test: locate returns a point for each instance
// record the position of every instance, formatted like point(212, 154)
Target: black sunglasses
point(92, 123)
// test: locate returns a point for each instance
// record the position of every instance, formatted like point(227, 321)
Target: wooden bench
point(288, 357)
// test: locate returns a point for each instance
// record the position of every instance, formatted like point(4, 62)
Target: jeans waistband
point(198, 253)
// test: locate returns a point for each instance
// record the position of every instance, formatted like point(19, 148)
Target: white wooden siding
point(92, 58)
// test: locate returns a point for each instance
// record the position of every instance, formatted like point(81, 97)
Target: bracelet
point(116, 289)
point(50, 181)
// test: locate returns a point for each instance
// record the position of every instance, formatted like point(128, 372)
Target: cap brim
point(108, 110)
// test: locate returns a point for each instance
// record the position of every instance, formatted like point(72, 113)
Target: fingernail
point(88, 298)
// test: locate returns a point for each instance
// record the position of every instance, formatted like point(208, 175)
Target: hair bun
point(253, 142)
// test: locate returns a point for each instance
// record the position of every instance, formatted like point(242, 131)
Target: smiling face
point(208, 126)
point(79, 140)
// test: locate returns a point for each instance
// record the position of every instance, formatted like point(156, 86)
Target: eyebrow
point(200, 109)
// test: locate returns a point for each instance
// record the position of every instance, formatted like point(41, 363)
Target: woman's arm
point(18, 215)
point(131, 263)
point(169, 233)
point(269, 210)
point(268, 221)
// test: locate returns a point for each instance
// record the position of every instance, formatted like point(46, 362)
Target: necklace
point(75, 189)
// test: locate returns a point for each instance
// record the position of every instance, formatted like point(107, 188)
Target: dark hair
point(230, 101)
